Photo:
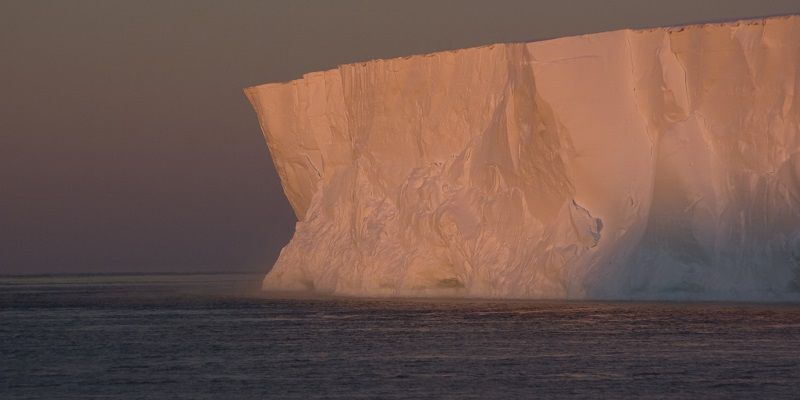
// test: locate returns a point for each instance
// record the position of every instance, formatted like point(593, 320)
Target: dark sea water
point(218, 337)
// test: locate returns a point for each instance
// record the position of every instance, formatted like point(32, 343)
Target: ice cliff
point(661, 163)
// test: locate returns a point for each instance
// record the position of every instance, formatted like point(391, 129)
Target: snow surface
point(661, 163)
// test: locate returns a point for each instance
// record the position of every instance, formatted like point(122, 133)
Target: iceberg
point(634, 164)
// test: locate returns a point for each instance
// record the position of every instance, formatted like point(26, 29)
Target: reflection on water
point(214, 336)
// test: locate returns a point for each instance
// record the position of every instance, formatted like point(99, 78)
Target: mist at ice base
point(634, 164)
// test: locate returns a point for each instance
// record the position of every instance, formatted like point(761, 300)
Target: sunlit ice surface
point(635, 164)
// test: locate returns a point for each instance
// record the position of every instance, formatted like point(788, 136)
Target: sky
point(126, 144)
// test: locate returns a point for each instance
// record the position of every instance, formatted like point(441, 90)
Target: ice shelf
point(657, 164)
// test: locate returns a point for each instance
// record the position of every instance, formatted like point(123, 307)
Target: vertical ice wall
point(650, 164)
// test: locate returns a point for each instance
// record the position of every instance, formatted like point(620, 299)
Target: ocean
point(220, 337)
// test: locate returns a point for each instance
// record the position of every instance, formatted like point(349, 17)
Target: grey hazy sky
point(126, 143)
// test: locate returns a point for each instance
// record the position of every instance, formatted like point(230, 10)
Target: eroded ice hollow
point(660, 163)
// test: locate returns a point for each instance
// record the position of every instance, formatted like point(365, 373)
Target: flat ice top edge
point(669, 28)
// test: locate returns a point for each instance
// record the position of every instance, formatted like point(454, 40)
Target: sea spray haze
point(660, 163)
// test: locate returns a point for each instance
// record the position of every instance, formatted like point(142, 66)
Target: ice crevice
point(656, 164)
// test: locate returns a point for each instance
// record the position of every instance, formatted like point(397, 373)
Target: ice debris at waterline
point(660, 163)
